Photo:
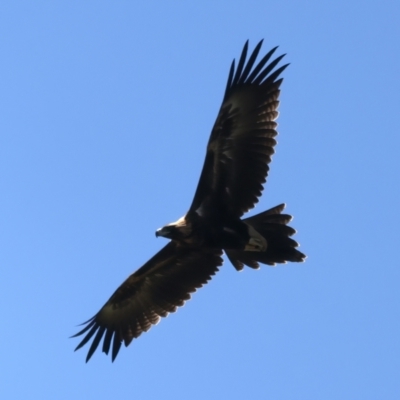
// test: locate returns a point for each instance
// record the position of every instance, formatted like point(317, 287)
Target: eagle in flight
point(235, 168)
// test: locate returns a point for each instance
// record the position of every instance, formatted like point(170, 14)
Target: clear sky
point(106, 109)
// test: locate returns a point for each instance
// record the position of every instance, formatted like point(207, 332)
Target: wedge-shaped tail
point(272, 225)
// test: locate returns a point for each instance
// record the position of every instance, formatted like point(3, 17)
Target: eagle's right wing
point(159, 287)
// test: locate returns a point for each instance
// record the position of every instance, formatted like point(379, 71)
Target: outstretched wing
point(242, 140)
point(158, 288)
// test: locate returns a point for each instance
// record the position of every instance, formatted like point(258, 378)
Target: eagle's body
point(235, 168)
point(215, 232)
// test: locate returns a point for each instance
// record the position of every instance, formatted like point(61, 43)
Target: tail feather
point(272, 225)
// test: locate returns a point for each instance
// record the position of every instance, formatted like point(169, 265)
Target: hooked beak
point(164, 231)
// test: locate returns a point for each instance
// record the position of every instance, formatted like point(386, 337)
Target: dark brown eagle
point(235, 168)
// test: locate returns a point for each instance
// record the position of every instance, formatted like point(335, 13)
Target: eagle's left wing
point(242, 139)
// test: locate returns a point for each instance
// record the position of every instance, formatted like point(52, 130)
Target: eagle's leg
point(256, 242)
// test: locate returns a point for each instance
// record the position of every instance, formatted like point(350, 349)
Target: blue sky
point(106, 109)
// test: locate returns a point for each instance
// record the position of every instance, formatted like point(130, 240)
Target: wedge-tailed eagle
point(236, 166)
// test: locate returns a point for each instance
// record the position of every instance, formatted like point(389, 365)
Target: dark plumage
point(235, 168)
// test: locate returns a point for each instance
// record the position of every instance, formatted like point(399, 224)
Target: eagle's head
point(178, 230)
